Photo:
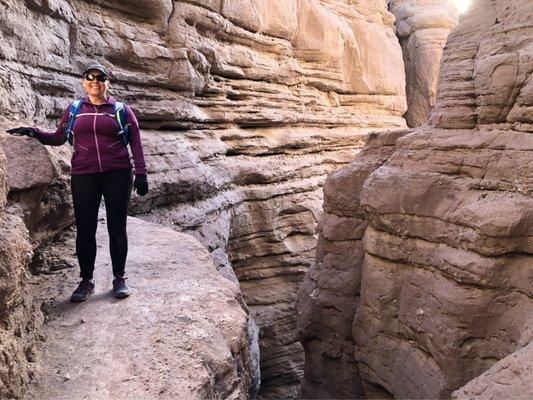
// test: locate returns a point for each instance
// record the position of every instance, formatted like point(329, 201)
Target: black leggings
point(87, 191)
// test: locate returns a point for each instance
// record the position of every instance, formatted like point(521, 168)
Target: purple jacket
point(97, 144)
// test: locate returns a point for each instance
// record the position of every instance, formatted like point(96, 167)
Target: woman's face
point(93, 86)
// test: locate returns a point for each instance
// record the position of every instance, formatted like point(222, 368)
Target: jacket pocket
point(81, 147)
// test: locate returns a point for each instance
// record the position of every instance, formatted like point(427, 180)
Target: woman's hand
point(140, 184)
point(22, 131)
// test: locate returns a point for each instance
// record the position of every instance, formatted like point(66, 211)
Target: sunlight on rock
point(462, 5)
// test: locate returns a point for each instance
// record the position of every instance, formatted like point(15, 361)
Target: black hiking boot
point(85, 288)
point(120, 289)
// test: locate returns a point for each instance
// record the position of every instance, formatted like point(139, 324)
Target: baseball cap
point(97, 67)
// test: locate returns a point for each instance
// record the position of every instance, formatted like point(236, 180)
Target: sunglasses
point(99, 78)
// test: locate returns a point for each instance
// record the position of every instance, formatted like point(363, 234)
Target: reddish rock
point(330, 293)
point(509, 378)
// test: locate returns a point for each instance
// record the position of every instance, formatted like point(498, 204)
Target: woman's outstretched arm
point(58, 137)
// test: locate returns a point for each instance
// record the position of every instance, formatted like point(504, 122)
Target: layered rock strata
point(34, 206)
point(330, 292)
point(245, 107)
point(445, 279)
point(445, 290)
point(422, 27)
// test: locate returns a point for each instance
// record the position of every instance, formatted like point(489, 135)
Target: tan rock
point(245, 107)
point(183, 333)
point(445, 281)
point(487, 80)
point(3, 179)
point(15, 255)
point(39, 191)
point(445, 293)
point(422, 27)
point(16, 330)
point(28, 163)
point(329, 295)
point(18, 335)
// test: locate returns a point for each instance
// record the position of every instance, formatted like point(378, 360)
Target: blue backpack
point(120, 115)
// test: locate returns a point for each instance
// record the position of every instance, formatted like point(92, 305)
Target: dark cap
point(97, 67)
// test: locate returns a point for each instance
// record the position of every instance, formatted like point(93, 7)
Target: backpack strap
point(73, 112)
point(120, 114)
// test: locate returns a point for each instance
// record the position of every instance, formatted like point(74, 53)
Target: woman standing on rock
point(100, 130)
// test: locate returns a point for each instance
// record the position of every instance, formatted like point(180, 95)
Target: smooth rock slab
point(510, 378)
point(182, 334)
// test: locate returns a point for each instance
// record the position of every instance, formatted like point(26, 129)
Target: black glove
point(22, 131)
point(141, 184)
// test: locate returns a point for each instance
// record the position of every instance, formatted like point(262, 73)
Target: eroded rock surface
point(16, 331)
point(330, 293)
point(445, 290)
point(486, 79)
point(422, 27)
point(183, 333)
point(245, 106)
point(446, 276)
point(509, 378)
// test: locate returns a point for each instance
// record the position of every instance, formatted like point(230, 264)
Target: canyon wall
point(443, 290)
point(422, 27)
point(15, 254)
point(244, 106)
point(329, 294)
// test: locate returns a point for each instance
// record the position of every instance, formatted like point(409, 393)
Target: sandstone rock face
point(245, 107)
point(487, 79)
point(329, 295)
point(39, 192)
point(445, 290)
point(182, 334)
point(15, 254)
point(509, 378)
point(34, 205)
point(422, 27)
point(445, 287)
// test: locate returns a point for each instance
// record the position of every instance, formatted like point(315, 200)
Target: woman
point(101, 166)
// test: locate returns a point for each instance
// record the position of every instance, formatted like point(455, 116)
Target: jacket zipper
point(96, 140)
point(112, 144)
